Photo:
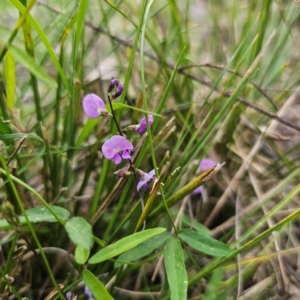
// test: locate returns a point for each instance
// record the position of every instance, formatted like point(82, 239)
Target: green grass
point(216, 75)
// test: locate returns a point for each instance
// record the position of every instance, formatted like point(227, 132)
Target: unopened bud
point(123, 173)
point(118, 91)
point(114, 82)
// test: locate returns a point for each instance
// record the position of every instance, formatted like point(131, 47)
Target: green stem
point(20, 182)
point(6, 172)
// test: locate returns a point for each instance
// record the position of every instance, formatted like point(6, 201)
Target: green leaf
point(42, 214)
point(175, 268)
point(39, 214)
point(29, 63)
point(10, 78)
point(143, 249)
point(83, 7)
point(43, 38)
point(192, 223)
point(118, 105)
point(95, 286)
point(204, 243)
point(81, 254)
point(124, 244)
point(80, 232)
point(9, 137)
point(5, 130)
point(214, 285)
point(86, 130)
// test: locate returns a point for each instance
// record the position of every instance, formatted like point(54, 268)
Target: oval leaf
point(81, 254)
point(80, 232)
point(124, 244)
point(204, 243)
point(175, 268)
point(143, 249)
point(42, 214)
point(39, 214)
point(95, 286)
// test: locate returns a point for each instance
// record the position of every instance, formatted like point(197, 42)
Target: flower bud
point(118, 91)
point(114, 82)
point(123, 173)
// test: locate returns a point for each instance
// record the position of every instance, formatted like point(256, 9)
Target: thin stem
point(130, 161)
point(21, 206)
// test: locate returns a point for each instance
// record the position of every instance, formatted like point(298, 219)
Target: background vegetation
point(221, 79)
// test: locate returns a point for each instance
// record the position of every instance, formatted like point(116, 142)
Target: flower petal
point(120, 142)
point(117, 144)
point(117, 159)
point(198, 190)
point(142, 127)
point(126, 155)
point(92, 105)
point(107, 151)
point(207, 163)
point(147, 178)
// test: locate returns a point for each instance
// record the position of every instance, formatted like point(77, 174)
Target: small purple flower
point(118, 91)
point(145, 179)
point(88, 293)
point(142, 127)
point(116, 148)
point(94, 106)
point(198, 190)
point(114, 82)
point(70, 296)
point(207, 163)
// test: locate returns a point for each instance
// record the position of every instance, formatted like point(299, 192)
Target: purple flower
point(142, 127)
point(207, 163)
point(145, 179)
point(114, 82)
point(94, 106)
point(118, 91)
point(119, 88)
point(117, 148)
point(88, 292)
point(70, 296)
point(198, 190)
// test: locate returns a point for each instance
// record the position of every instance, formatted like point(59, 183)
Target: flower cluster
point(118, 147)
